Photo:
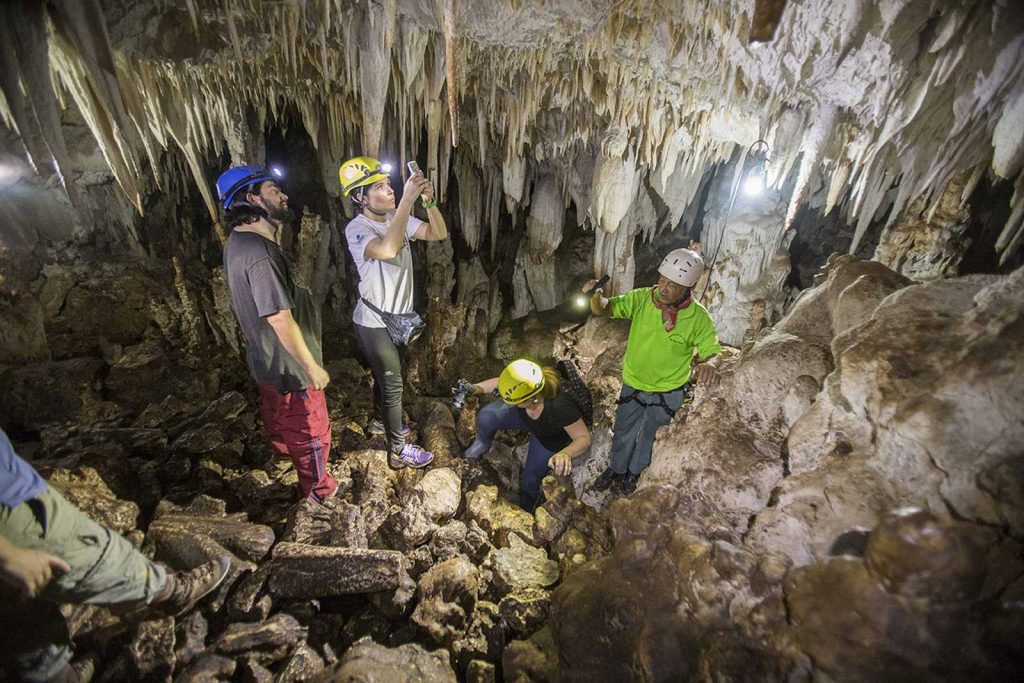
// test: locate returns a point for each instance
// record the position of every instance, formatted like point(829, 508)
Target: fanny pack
point(403, 328)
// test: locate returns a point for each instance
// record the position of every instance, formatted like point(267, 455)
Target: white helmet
point(682, 266)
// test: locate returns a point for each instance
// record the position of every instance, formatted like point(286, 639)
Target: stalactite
point(25, 66)
point(616, 180)
point(951, 99)
point(451, 60)
point(546, 220)
point(374, 74)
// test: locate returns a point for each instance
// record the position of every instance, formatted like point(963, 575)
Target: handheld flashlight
point(584, 300)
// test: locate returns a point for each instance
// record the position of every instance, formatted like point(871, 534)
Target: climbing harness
point(635, 396)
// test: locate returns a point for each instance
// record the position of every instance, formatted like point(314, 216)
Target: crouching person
point(532, 399)
point(51, 552)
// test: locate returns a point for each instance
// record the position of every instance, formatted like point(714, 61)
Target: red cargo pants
point(298, 428)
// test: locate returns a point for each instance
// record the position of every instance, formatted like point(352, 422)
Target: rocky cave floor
point(771, 550)
point(422, 559)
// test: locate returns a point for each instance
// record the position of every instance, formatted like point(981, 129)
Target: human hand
point(560, 463)
point(705, 373)
point(414, 186)
point(597, 293)
point(460, 392)
point(30, 571)
point(318, 377)
point(427, 192)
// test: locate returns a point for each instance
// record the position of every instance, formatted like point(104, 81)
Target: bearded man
point(281, 325)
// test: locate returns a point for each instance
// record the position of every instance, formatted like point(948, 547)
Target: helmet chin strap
point(364, 204)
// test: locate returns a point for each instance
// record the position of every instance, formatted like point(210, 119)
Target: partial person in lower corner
point(666, 326)
point(531, 399)
point(51, 553)
point(281, 325)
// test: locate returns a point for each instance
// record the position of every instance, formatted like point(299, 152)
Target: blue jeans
point(636, 424)
point(500, 415)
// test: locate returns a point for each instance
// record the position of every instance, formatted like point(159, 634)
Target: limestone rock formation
point(368, 661)
point(522, 566)
point(447, 594)
point(844, 504)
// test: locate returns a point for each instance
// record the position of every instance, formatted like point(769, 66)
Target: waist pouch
point(403, 328)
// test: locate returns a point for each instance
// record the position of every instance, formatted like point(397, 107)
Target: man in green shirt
point(667, 325)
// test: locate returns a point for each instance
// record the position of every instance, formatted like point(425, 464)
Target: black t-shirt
point(549, 428)
point(261, 284)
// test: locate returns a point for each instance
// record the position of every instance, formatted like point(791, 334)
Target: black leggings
point(386, 366)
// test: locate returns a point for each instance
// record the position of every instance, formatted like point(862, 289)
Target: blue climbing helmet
point(238, 178)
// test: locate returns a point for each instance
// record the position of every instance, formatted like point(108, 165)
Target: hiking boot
point(476, 449)
point(410, 456)
point(184, 589)
point(629, 483)
point(604, 480)
point(376, 428)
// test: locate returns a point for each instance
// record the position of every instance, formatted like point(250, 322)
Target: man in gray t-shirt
point(281, 326)
point(261, 284)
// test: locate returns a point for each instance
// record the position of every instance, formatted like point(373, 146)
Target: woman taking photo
point(378, 239)
point(532, 399)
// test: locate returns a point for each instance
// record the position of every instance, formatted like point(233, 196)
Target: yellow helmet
point(520, 381)
point(360, 172)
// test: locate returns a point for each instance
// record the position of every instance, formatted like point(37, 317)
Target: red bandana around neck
point(671, 310)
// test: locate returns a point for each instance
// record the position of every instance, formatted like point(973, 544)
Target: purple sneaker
point(376, 428)
point(411, 456)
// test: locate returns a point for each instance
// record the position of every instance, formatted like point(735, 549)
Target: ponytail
point(552, 382)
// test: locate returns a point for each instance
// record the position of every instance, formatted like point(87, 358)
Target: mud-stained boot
point(604, 480)
point(629, 483)
point(185, 589)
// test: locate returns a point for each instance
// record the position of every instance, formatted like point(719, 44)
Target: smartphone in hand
point(413, 167)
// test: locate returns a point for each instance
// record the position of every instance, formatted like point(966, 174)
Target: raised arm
point(387, 247)
point(435, 228)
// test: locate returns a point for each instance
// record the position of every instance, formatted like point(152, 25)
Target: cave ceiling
point(865, 106)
